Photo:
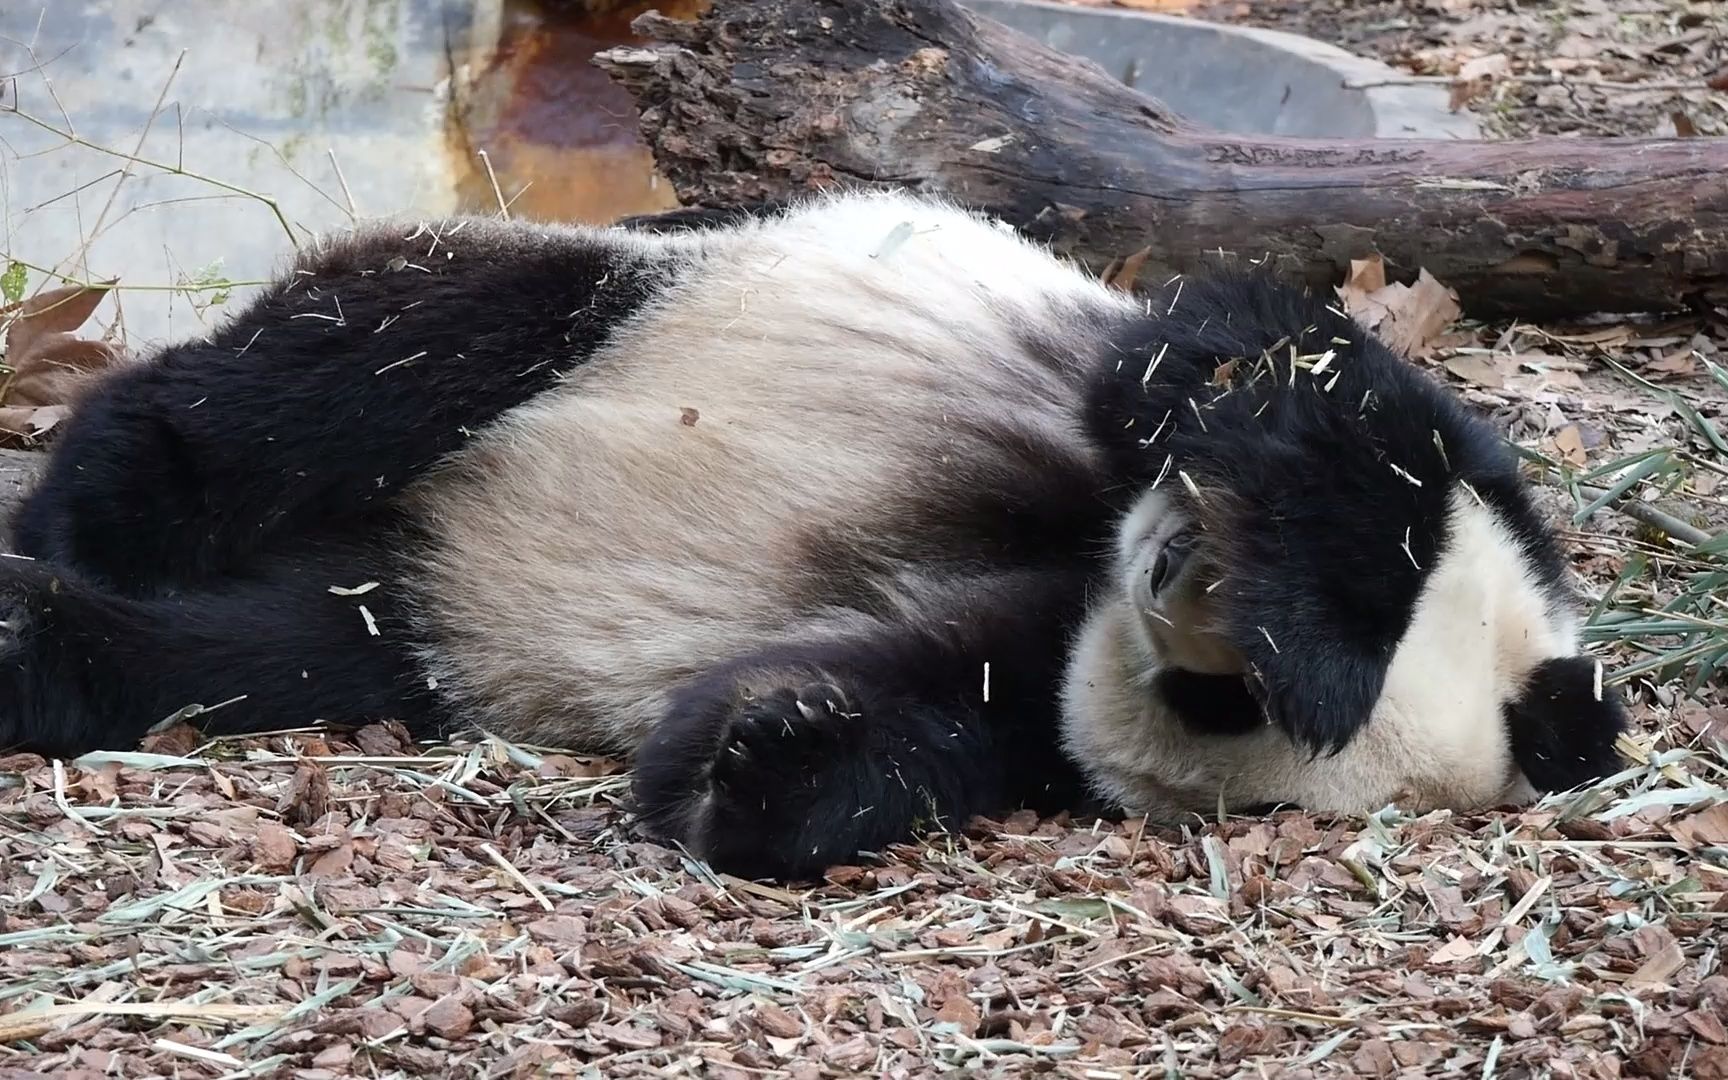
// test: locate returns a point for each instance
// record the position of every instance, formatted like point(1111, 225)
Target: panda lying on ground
point(841, 519)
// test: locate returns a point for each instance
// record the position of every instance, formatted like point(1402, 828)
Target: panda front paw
point(759, 781)
point(779, 742)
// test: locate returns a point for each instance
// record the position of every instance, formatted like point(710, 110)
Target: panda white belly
point(652, 514)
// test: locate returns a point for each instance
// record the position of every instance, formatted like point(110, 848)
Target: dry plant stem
point(1651, 516)
point(132, 160)
point(766, 99)
point(172, 170)
point(116, 286)
point(1534, 79)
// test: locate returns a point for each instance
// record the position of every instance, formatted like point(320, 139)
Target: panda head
point(1330, 584)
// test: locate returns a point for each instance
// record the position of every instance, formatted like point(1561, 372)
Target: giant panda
point(842, 519)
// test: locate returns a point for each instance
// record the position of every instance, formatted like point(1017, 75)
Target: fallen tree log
point(758, 100)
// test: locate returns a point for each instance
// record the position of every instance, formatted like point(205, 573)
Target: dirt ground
point(1585, 67)
point(317, 906)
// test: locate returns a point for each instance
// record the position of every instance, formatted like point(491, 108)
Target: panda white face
point(1331, 589)
point(1164, 575)
point(1156, 740)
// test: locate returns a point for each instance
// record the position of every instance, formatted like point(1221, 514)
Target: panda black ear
point(1562, 732)
point(1317, 692)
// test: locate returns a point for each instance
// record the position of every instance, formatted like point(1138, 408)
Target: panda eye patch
point(1169, 561)
point(1158, 571)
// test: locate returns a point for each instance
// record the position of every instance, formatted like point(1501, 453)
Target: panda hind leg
point(83, 668)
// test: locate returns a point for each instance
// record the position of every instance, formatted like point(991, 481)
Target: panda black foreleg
point(82, 668)
point(782, 764)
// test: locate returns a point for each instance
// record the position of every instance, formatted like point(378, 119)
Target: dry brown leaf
point(1703, 829)
point(1124, 276)
point(1368, 274)
point(29, 422)
point(1679, 363)
point(1156, 5)
point(1489, 371)
point(1476, 77)
point(1661, 966)
point(1418, 314)
point(50, 366)
point(1454, 951)
point(1486, 67)
point(1363, 292)
point(1560, 379)
point(1569, 446)
point(1409, 318)
point(1462, 94)
point(56, 311)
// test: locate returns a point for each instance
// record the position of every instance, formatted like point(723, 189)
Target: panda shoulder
point(465, 244)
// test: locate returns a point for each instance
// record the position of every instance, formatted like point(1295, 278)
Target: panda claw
point(782, 736)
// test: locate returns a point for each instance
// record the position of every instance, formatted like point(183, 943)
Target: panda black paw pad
point(781, 740)
point(760, 774)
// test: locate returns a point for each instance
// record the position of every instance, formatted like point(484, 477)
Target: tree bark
point(760, 100)
point(18, 471)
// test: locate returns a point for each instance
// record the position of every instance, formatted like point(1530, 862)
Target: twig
point(286, 164)
point(1294, 1014)
point(1642, 511)
point(343, 180)
point(1540, 80)
point(172, 170)
point(80, 256)
point(115, 286)
point(516, 875)
point(497, 192)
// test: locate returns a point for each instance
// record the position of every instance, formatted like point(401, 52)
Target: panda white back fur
point(834, 360)
point(809, 511)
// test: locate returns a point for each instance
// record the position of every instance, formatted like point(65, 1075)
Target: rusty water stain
point(549, 119)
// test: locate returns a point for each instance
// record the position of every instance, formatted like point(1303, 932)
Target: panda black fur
point(805, 510)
